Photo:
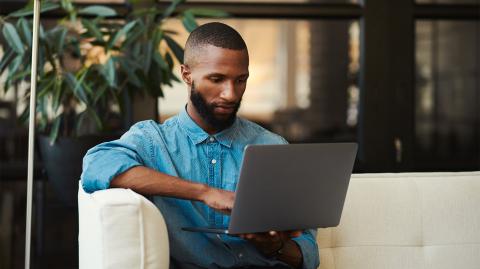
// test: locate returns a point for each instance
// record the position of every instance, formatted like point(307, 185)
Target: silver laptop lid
point(292, 187)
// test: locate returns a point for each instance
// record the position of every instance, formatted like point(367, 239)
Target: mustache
point(227, 105)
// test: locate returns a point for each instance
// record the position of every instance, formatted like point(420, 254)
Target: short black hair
point(213, 33)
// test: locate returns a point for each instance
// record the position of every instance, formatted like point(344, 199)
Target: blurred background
point(400, 77)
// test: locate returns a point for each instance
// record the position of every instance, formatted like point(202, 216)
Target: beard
point(207, 111)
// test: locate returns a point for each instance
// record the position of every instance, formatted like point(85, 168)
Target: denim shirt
point(179, 147)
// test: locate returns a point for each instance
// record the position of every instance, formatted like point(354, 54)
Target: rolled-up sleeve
point(308, 245)
point(105, 161)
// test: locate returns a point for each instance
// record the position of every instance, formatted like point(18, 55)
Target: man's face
point(217, 80)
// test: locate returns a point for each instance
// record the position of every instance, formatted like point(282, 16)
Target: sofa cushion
point(407, 220)
point(119, 228)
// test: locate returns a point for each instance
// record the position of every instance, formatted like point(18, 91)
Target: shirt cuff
point(308, 247)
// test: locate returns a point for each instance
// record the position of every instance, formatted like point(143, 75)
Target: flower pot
point(63, 163)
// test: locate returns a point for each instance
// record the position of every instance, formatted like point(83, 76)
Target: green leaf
point(175, 47)
point(172, 8)
point(79, 121)
point(58, 89)
point(88, 88)
point(148, 51)
point(135, 34)
point(129, 69)
point(205, 12)
point(146, 12)
point(160, 61)
point(120, 101)
point(21, 75)
point(81, 77)
point(98, 10)
point(60, 40)
point(170, 32)
point(120, 33)
point(109, 72)
point(188, 20)
point(45, 89)
point(67, 5)
point(13, 67)
point(93, 30)
point(94, 115)
point(76, 88)
point(157, 38)
point(45, 84)
point(136, 51)
point(73, 41)
point(56, 39)
point(55, 128)
point(174, 77)
point(41, 32)
point(6, 58)
point(25, 114)
point(99, 94)
point(12, 38)
point(42, 110)
point(169, 60)
point(28, 10)
point(24, 30)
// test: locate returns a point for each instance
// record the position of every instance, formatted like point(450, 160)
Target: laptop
point(289, 187)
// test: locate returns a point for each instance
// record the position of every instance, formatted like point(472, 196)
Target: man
point(190, 164)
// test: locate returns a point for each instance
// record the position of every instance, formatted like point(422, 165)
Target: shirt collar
point(198, 135)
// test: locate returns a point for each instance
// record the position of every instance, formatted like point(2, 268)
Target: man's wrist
point(290, 253)
point(276, 251)
point(202, 192)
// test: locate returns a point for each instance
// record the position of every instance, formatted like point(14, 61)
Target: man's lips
point(224, 109)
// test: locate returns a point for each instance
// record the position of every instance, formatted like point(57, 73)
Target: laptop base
point(214, 230)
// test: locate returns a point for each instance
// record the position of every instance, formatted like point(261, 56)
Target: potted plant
point(92, 61)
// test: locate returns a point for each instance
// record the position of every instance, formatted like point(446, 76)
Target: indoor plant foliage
point(92, 61)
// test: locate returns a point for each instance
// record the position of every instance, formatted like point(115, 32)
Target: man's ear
point(186, 75)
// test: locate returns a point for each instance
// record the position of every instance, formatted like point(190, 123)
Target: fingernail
point(272, 233)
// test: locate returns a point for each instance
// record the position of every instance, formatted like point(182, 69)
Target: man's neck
point(192, 112)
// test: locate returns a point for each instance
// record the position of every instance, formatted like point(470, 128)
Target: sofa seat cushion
point(407, 220)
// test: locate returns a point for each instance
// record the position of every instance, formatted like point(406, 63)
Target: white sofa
point(119, 228)
point(406, 220)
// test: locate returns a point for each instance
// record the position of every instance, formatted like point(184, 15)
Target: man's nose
point(228, 92)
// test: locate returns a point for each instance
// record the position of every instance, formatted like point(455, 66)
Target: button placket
point(211, 181)
point(215, 164)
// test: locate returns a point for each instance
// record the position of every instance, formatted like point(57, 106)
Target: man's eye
point(215, 80)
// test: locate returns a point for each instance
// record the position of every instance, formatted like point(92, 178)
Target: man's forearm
point(147, 181)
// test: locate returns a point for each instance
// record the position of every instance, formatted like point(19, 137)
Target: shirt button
point(240, 255)
point(214, 161)
point(212, 139)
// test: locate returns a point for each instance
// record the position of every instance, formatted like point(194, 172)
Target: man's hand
point(279, 245)
point(220, 200)
point(269, 243)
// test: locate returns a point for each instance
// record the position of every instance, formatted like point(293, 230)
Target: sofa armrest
point(119, 228)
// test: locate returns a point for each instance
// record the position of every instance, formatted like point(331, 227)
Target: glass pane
point(447, 94)
point(281, 1)
point(447, 1)
point(303, 78)
point(13, 174)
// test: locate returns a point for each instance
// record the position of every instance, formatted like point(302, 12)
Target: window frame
point(387, 64)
